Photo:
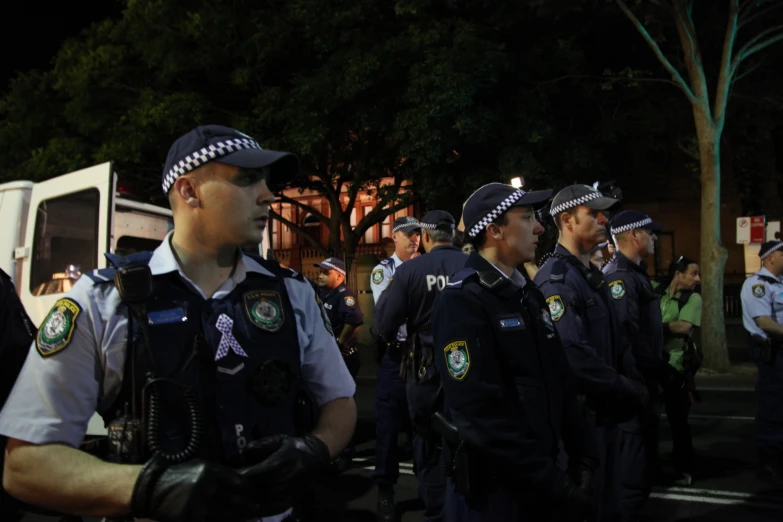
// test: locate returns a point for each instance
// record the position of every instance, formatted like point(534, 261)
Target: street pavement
point(725, 488)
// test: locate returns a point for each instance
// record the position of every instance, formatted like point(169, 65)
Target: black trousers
point(677, 402)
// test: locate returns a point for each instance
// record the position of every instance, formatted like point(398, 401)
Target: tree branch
point(305, 207)
point(690, 46)
point(676, 76)
point(760, 42)
point(746, 72)
point(747, 18)
point(727, 64)
point(374, 218)
point(299, 230)
point(605, 78)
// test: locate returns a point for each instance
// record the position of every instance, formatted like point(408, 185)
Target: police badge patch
point(57, 329)
point(350, 301)
point(457, 359)
point(265, 309)
point(617, 289)
point(556, 307)
point(377, 276)
point(759, 290)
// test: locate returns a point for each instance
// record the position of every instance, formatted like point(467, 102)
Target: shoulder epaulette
point(458, 279)
point(768, 279)
point(559, 269)
point(275, 268)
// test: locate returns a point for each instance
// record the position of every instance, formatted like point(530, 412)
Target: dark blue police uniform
point(409, 300)
point(637, 308)
point(601, 361)
point(341, 309)
point(510, 393)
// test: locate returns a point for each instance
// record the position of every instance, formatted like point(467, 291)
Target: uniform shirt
point(416, 285)
point(380, 277)
point(54, 398)
point(762, 296)
point(586, 326)
point(636, 306)
point(508, 387)
point(341, 309)
point(671, 311)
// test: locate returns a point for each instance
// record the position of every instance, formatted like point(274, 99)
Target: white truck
point(54, 231)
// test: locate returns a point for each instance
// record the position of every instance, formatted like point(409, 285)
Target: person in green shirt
point(681, 315)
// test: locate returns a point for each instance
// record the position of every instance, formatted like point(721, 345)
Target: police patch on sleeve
point(377, 276)
point(265, 309)
point(57, 329)
point(617, 289)
point(759, 290)
point(350, 301)
point(556, 307)
point(457, 359)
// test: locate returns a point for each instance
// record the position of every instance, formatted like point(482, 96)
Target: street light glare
point(516, 182)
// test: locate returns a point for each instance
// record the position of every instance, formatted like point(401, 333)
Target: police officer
point(408, 301)
point(579, 304)
point(762, 316)
point(343, 311)
point(636, 306)
point(390, 404)
point(597, 255)
point(508, 389)
point(221, 342)
point(346, 317)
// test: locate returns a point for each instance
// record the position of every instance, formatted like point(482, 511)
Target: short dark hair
point(571, 211)
point(481, 237)
point(680, 265)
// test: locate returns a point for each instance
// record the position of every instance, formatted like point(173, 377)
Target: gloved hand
point(581, 472)
point(638, 390)
point(280, 463)
point(192, 491)
point(578, 503)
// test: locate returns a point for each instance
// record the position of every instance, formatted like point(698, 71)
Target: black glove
point(638, 390)
point(581, 472)
point(192, 491)
point(280, 464)
point(578, 503)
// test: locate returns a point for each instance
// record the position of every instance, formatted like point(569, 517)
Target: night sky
point(32, 32)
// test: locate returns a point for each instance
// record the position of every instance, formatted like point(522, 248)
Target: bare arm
point(677, 327)
point(336, 424)
point(348, 330)
point(64, 479)
point(769, 326)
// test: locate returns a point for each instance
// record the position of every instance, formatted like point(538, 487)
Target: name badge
point(511, 322)
point(174, 315)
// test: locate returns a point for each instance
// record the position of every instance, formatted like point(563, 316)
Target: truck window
point(127, 245)
point(65, 241)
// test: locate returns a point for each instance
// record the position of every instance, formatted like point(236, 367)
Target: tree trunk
point(713, 255)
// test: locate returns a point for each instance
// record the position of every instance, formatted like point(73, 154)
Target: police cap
point(438, 219)
point(631, 219)
point(576, 195)
point(495, 199)
point(225, 145)
point(769, 247)
point(332, 263)
point(407, 224)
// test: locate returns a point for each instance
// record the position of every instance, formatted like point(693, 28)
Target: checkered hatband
point(631, 226)
point(205, 155)
point(581, 200)
point(496, 212)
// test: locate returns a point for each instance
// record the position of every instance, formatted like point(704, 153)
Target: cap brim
point(602, 203)
point(534, 198)
point(283, 166)
point(655, 227)
point(409, 228)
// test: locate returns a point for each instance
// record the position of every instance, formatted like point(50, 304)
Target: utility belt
point(768, 349)
point(418, 359)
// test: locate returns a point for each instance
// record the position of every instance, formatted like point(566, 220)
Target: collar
point(397, 261)
point(479, 264)
point(767, 273)
point(624, 263)
point(444, 247)
point(164, 261)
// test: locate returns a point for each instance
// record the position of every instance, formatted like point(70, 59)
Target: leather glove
point(638, 390)
point(280, 464)
point(192, 491)
point(578, 503)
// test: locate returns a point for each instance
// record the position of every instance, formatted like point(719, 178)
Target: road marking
point(716, 417)
point(745, 502)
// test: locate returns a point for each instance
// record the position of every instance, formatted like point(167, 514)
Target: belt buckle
point(422, 372)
